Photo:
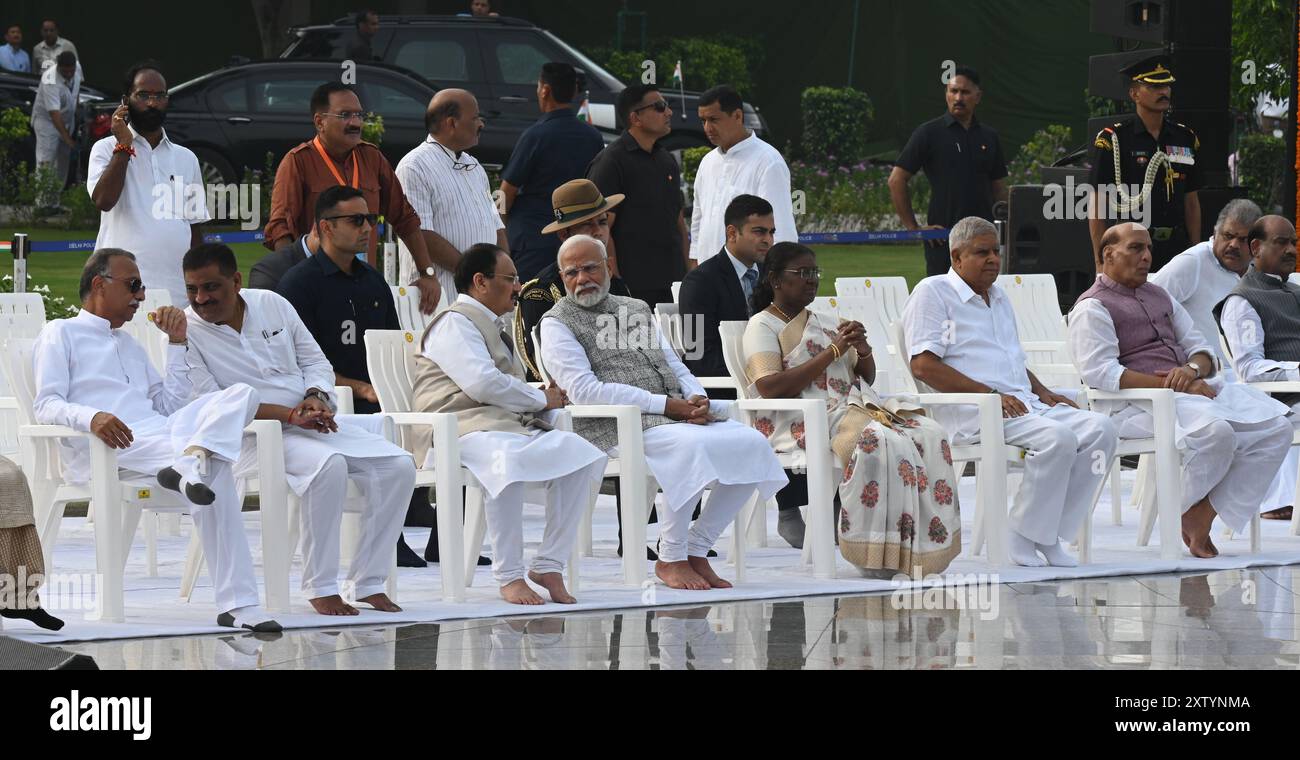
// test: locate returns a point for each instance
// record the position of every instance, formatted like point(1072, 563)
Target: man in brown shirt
point(338, 156)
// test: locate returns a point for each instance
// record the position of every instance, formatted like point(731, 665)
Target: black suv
point(498, 59)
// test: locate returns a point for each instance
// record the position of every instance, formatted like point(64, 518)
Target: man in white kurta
point(1125, 332)
point(741, 164)
point(1263, 354)
point(961, 338)
point(93, 377)
point(256, 337)
point(468, 366)
point(606, 349)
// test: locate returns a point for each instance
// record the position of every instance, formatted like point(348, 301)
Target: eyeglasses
point(135, 284)
point(587, 269)
point(810, 275)
point(145, 97)
point(456, 164)
point(659, 105)
point(347, 115)
point(510, 278)
point(356, 219)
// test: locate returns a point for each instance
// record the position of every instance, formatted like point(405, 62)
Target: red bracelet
point(122, 148)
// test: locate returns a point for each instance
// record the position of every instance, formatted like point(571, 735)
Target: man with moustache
point(962, 157)
point(449, 190)
point(255, 337)
point(158, 223)
point(1262, 326)
point(1123, 154)
point(338, 156)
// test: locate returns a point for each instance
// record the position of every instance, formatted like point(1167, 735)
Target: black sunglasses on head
point(356, 219)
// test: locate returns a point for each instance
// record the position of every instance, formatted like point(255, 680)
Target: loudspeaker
point(1059, 247)
point(1199, 23)
point(1204, 75)
point(1213, 199)
point(19, 655)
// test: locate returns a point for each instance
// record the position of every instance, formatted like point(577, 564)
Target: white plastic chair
point(820, 463)
point(407, 301)
point(669, 317)
point(120, 501)
point(23, 303)
point(873, 311)
point(1038, 316)
point(145, 333)
point(13, 326)
point(889, 293)
point(677, 292)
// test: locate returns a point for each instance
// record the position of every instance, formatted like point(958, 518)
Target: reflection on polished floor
point(1227, 619)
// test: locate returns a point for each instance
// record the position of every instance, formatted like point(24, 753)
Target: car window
point(284, 96)
point(230, 96)
point(438, 60)
point(391, 101)
point(520, 61)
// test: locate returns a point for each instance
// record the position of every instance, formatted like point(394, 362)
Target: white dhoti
point(1234, 443)
point(729, 459)
point(1062, 474)
point(505, 464)
point(318, 467)
point(214, 422)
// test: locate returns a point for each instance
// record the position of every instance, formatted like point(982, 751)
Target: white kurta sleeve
point(697, 208)
point(455, 345)
point(1093, 346)
point(567, 362)
point(51, 360)
point(774, 187)
point(100, 154)
point(169, 394)
point(317, 372)
point(926, 323)
point(1244, 332)
point(1179, 277)
point(200, 375)
point(1190, 339)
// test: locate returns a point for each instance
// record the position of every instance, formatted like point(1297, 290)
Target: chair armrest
point(1042, 345)
point(1280, 386)
point(717, 383)
point(989, 406)
point(628, 419)
point(51, 431)
point(346, 403)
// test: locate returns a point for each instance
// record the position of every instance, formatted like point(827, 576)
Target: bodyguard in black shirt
point(963, 160)
point(649, 231)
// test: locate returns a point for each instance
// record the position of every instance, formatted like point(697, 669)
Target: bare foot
point(680, 575)
point(333, 606)
point(1281, 513)
point(554, 585)
point(1197, 523)
point(518, 592)
point(380, 602)
point(702, 567)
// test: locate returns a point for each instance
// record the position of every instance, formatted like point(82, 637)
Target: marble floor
point(1226, 619)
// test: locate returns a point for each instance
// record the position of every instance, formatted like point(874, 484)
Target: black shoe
point(226, 620)
point(649, 553)
point(38, 616)
point(431, 554)
point(198, 493)
point(420, 514)
point(406, 556)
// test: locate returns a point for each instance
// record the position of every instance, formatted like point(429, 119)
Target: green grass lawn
point(61, 271)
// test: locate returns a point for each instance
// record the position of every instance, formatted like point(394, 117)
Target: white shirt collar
point(739, 147)
point(965, 292)
point(94, 320)
point(738, 265)
point(475, 303)
point(136, 133)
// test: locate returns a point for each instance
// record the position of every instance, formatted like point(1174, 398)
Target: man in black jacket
point(719, 289)
point(267, 272)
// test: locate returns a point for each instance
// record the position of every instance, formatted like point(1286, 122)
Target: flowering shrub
point(840, 198)
point(56, 307)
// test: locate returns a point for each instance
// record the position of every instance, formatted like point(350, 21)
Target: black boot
point(419, 514)
point(38, 616)
point(406, 556)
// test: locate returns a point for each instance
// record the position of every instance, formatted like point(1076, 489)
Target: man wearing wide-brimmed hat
point(580, 209)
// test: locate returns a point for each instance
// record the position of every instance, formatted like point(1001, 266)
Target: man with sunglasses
point(339, 297)
point(469, 366)
point(338, 156)
point(650, 241)
point(132, 180)
point(93, 377)
point(449, 189)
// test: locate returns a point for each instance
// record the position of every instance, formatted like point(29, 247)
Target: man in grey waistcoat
point(607, 349)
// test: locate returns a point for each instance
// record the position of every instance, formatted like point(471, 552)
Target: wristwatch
point(320, 396)
point(1195, 368)
point(430, 272)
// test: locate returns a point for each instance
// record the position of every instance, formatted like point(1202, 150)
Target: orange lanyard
point(356, 170)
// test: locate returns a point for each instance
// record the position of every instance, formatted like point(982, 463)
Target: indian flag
point(677, 76)
point(584, 111)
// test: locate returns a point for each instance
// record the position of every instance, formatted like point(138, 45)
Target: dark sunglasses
point(135, 284)
point(356, 219)
point(659, 105)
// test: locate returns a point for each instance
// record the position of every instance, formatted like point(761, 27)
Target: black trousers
point(937, 258)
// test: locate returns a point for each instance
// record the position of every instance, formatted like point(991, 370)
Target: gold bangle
point(836, 349)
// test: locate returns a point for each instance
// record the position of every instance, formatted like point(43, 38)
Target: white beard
point(594, 298)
